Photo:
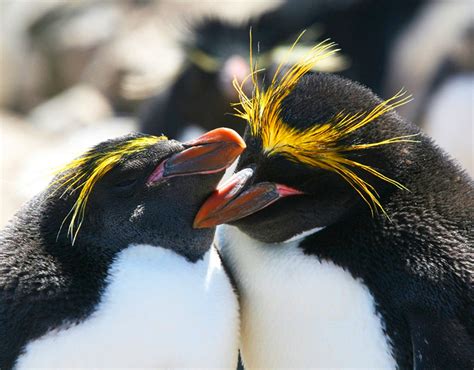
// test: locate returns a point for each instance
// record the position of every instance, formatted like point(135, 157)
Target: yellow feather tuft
point(319, 145)
point(81, 175)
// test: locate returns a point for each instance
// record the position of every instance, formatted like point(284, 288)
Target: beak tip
point(231, 136)
point(221, 134)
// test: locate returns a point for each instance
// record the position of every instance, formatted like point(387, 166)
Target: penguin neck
point(171, 229)
point(183, 243)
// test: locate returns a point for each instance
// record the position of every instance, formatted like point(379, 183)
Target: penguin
point(349, 232)
point(216, 51)
point(104, 270)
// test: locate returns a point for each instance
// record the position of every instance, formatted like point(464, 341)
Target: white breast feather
point(159, 310)
point(299, 312)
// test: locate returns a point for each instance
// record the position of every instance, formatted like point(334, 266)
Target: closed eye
point(126, 183)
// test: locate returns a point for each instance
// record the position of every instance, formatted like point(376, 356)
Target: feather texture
point(81, 174)
point(322, 144)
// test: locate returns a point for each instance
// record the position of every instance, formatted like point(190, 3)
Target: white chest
point(158, 310)
point(299, 312)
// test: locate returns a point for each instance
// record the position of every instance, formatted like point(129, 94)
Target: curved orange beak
point(233, 201)
point(210, 153)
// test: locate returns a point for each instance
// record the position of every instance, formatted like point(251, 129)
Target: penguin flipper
point(440, 344)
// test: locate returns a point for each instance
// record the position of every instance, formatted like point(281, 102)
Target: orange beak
point(210, 153)
point(231, 201)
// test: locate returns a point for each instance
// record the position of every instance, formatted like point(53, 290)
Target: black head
point(219, 48)
point(137, 190)
point(323, 148)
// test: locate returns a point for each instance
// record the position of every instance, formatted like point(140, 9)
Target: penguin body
point(355, 232)
point(129, 283)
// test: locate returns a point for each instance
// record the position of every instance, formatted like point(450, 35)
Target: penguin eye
point(126, 184)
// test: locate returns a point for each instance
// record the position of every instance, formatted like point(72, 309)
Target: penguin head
point(137, 189)
point(318, 147)
point(219, 50)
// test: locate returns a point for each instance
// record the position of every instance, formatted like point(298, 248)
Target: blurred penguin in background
point(201, 96)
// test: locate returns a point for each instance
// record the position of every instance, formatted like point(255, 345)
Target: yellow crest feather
point(319, 145)
point(81, 174)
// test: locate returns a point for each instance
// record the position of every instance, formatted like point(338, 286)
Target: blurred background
point(76, 72)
